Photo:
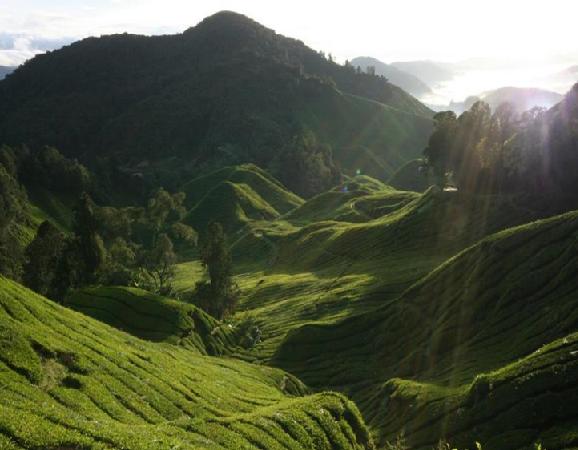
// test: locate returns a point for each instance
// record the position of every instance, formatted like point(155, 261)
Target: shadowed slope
point(494, 303)
point(154, 318)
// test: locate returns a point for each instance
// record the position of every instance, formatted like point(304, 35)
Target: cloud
point(15, 48)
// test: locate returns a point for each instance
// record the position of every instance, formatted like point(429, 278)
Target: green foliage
point(50, 170)
point(158, 266)
point(307, 166)
point(42, 256)
point(154, 318)
point(13, 211)
point(507, 152)
point(220, 297)
point(89, 243)
point(69, 381)
point(156, 104)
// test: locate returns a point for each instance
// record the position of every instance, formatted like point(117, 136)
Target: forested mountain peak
point(227, 91)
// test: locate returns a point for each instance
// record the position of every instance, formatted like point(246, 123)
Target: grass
point(431, 361)
point(69, 381)
point(154, 318)
point(410, 178)
point(415, 306)
point(236, 196)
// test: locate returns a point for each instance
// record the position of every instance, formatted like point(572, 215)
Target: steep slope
point(236, 196)
point(69, 381)
point(154, 318)
point(224, 92)
point(404, 80)
point(444, 359)
point(260, 181)
point(411, 177)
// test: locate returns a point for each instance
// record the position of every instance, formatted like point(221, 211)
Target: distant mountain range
point(404, 80)
point(523, 99)
point(226, 91)
point(430, 72)
point(5, 70)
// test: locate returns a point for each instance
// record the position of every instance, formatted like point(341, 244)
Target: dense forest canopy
point(226, 91)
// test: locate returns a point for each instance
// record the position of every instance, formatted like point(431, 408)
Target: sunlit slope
point(364, 134)
point(325, 271)
point(236, 196)
point(418, 362)
point(359, 199)
point(68, 381)
point(260, 181)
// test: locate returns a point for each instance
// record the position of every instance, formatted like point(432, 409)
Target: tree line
point(129, 246)
point(503, 152)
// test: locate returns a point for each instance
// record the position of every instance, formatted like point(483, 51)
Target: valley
point(224, 239)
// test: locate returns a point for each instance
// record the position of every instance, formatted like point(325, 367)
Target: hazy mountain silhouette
point(404, 80)
point(5, 70)
point(522, 99)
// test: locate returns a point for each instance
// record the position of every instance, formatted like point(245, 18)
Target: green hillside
point(154, 318)
point(69, 381)
point(411, 177)
point(260, 181)
point(462, 353)
point(236, 196)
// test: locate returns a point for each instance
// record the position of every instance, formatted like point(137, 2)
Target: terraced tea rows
point(419, 362)
point(68, 381)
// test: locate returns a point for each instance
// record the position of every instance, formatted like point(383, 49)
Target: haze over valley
point(223, 228)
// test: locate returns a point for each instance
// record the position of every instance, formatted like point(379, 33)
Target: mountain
point(226, 91)
point(5, 70)
point(430, 72)
point(404, 80)
point(523, 99)
point(563, 79)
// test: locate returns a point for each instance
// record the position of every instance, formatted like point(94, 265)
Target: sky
point(522, 33)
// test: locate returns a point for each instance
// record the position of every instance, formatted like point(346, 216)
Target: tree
point(307, 166)
point(216, 257)
point(42, 257)
point(90, 245)
point(159, 265)
point(12, 208)
point(438, 151)
point(69, 272)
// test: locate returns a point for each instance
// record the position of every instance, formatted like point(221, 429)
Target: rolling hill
point(226, 91)
point(236, 196)
point(69, 381)
point(482, 349)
